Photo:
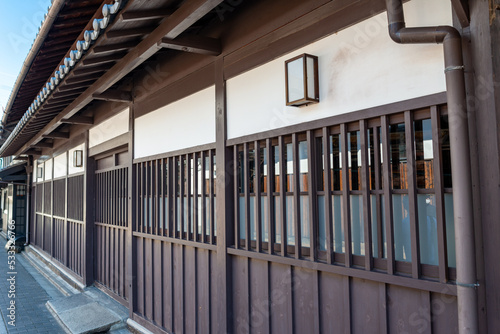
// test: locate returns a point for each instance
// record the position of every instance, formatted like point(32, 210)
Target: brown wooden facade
point(337, 225)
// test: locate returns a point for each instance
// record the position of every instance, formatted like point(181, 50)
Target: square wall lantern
point(39, 172)
point(301, 80)
point(78, 158)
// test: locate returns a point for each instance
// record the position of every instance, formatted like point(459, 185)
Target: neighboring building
point(165, 167)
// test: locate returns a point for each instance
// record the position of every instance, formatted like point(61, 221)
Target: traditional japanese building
point(268, 166)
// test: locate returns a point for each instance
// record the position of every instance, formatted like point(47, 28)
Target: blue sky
point(19, 23)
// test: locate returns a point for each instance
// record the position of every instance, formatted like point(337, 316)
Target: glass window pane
point(276, 185)
point(424, 155)
point(263, 169)
point(450, 230)
point(338, 227)
point(402, 237)
point(289, 168)
point(290, 220)
point(311, 87)
point(398, 156)
point(304, 221)
point(445, 151)
point(241, 216)
point(303, 166)
point(264, 213)
point(277, 220)
point(321, 223)
point(241, 175)
point(320, 165)
point(357, 225)
point(295, 80)
point(427, 229)
point(379, 244)
point(251, 171)
point(336, 162)
point(253, 230)
point(354, 159)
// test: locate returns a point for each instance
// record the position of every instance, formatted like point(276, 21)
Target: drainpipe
point(460, 155)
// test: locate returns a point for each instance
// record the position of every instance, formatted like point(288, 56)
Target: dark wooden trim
point(170, 154)
point(114, 47)
point(412, 193)
point(57, 135)
point(114, 143)
point(378, 111)
point(89, 210)
point(439, 195)
point(433, 286)
point(79, 120)
point(365, 177)
point(131, 246)
point(346, 221)
point(461, 9)
point(193, 43)
point(224, 209)
point(114, 95)
point(142, 15)
point(175, 241)
point(387, 194)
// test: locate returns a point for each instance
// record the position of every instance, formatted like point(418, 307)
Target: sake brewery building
point(268, 166)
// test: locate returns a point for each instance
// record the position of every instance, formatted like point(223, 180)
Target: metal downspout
point(460, 155)
point(54, 9)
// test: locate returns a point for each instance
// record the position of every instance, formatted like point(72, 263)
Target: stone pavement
point(32, 291)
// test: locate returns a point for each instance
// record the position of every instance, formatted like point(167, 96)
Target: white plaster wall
point(47, 170)
point(359, 67)
point(74, 170)
point(60, 165)
point(182, 124)
point(109, 129)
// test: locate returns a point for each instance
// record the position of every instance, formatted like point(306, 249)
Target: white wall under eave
point(74, 170)
point(182, 124)
point(359, 67)
point(109, 129)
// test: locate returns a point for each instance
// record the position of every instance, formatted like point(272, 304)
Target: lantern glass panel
point(296, 80)
point(311, 80)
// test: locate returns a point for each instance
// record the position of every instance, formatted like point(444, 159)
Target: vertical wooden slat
point(347, 303)
point(212, 195)
point(387, 193)
point(195, 197)
point(236, 197)
point(412, 193)
point(248, 239)
point(157, 197)
point(283, 176)
point(296, 197)
point(345, 194)
point(171, 197)
point(270, 200)
point(439, 195)
point(327, 191)
point(376, 166)
point(257, 206)
point(366, 195)
point(203, 199)
point(188, 198)
point(89, 218)
point(312, 197)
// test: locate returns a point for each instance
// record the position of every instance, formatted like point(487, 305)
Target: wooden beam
point(103, 59)
point(32, 152)
point(80, 85)
point(91, 69)
point(77, 79)
point(146, 15)
point(14, 178)
point(189, 13)
point(130, 32)
point(79, 120)
point(43, 144)
point(461, 8)
point(194, 44)
point(57, 135)
point(114, 95)
point(114, 47)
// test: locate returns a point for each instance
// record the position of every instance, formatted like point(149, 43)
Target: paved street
point(32, 291)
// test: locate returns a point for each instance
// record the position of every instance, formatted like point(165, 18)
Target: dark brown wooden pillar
point(88, 209)
point(130, 265)
point(224, 188)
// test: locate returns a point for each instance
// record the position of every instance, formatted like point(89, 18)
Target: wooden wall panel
point(148, 277)
point(408, 310)
point(444, 313)
point(240, 295)
point(158, 284)
point(140, 275)
point(168, 294)
point(281, 298)
point(178, 276)
point(203, 290)
point(190, 286)
point(213, 287)
point(259, 292)
point(332, 305)
point(305, 309)
point(365, 304)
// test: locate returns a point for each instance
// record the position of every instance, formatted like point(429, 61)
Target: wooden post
point(88, 209)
